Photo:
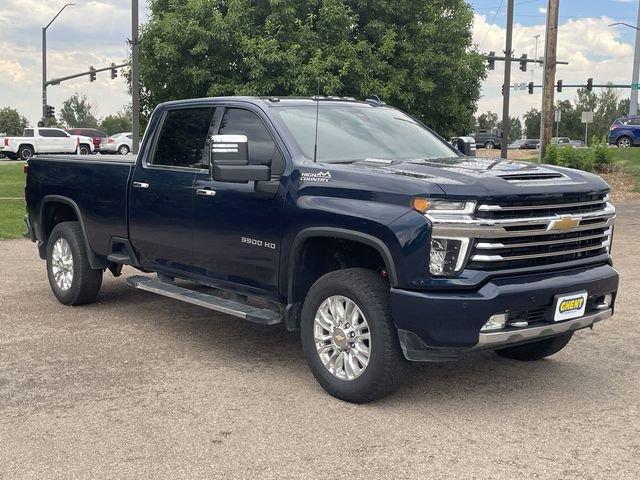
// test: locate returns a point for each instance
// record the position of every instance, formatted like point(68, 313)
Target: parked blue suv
point(625, 132)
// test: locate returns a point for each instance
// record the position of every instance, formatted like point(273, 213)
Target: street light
point(44, 61)
point(635, 73)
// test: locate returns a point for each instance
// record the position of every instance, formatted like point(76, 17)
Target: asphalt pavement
point(138, 386)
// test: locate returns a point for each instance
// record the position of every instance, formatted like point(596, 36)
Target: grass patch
point(12, 211)
point(629, 160)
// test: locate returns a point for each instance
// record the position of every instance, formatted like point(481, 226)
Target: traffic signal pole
point(635, 74)
point(135, 79)
point(508, 52)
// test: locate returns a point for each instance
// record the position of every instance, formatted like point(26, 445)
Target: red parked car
point(95, 134)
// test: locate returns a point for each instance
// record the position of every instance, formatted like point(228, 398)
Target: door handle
point(206, 192)
point(140, 185)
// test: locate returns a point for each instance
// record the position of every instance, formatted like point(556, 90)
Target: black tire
point(489, 145)
point(86, 282)
point(370, 292)
point(85, 149)
point(537, 350)
point(123, 149)
point(25, 152)
point(624, 142)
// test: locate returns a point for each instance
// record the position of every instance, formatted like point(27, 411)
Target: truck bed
point(96, 184)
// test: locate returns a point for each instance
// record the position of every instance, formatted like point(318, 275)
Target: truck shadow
point(221, 341)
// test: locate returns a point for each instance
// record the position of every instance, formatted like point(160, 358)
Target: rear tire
point(369, 347)
point(71, 278)
point(537, 350)
point(624, 142)
point(489, 145)
point(25, 152)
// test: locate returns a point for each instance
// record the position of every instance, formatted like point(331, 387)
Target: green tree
point(11, 122)
point(415, 54)
point(515, 129)
point(76, 111)
point(532, 123)
point(120, 122)
point(488, 121)
point(570, 121)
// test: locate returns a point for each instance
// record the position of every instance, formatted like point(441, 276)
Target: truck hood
point(481, 177)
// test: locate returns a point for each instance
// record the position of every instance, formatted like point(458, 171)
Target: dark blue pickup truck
point(350, 221)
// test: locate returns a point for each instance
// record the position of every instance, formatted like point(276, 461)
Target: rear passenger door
point(161, 196)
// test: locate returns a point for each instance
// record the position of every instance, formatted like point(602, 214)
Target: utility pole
point(549, 78)
point(135, 79)
point(508, 52)
point(44, 62)
point(633, 104)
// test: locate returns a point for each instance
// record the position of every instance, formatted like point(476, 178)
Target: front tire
point(348, 335)
point(123, 149)
point(489, 145)
point(85, 149)
point(71, 278)
point(530, 352)
point(624, 142)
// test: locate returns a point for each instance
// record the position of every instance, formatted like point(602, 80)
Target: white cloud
point(92, 33)
point(591, 47)
point(542, 10)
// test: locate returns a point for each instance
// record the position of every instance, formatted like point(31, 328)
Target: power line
point(492, 23)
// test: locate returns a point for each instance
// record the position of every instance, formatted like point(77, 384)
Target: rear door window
point(183, 138)
point(28, 132)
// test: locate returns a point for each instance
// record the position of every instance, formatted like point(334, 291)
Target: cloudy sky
point(95, 33)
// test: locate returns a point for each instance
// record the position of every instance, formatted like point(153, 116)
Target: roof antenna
point(315, 142)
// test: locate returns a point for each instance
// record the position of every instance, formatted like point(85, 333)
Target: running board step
point(236, 309)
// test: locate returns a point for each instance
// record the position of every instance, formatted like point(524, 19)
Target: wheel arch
point(329, 233)
point(45, 226)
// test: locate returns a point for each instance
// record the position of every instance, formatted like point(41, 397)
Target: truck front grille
point(533, 241)
point(530, 233)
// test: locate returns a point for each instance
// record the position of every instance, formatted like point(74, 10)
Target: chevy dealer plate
point(570, 306)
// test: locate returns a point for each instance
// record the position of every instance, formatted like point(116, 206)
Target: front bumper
point(435, 326)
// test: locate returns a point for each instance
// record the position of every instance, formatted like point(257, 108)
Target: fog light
point(495, 322)
point(605, 303)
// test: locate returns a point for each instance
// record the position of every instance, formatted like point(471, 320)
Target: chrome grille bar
point(499, 208)
point(500, 258)
point(492, 246)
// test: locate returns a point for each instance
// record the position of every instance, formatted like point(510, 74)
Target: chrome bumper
point(502, 339)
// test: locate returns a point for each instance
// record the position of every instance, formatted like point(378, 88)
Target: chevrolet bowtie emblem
point(563, 222)
point(340, 338)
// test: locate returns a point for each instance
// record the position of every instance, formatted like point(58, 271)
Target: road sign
point(635, 86)
point(587, 117)
point(557, 115)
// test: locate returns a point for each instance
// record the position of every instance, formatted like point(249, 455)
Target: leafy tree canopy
point(488, 121)
point(11, 122)
point(121, 122)
point(77, 112)
point(415, 54)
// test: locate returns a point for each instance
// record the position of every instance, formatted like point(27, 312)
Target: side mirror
point(465, 145)
point(229, 160)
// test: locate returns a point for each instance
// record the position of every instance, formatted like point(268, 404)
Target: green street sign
point(635, 86)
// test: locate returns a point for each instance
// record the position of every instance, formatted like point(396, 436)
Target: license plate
point(570, 306)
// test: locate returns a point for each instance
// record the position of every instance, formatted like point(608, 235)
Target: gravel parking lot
point(139, 386)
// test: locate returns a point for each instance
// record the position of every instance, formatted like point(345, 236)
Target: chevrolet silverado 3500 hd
point(350, 221)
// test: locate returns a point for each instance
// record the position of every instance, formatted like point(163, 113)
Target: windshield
point(356, 132)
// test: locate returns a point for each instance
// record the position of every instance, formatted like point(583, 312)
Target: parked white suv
point(44, 140)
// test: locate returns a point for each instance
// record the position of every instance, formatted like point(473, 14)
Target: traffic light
point(114, 72)
point(92, 74)
point(523, 62)
point(559, 86)
point(503, 89)
point(589, 84)
point(50, 111)
point(492, 62)
point(530, 88)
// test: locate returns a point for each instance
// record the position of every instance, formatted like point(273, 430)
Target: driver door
point(237, 230)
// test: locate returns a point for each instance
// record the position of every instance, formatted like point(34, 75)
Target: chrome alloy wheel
point(62, 264)
point(624, 142)
point(342, 337)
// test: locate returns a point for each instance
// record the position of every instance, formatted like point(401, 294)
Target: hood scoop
point(531, 177)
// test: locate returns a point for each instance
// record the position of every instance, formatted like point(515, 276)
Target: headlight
point(447, 255)
point(442, 207)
